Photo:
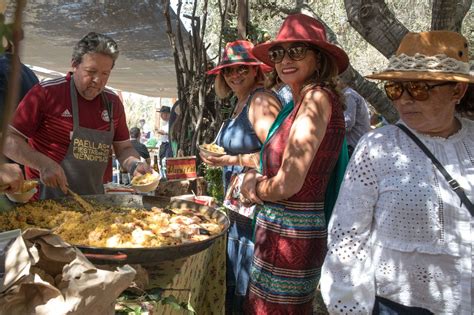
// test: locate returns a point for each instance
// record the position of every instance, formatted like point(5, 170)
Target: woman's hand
point(248, 190)
point(223, 160)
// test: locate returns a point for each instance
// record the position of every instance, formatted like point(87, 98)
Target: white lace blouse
point(398, 230)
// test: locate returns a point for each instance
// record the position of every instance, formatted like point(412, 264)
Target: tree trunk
point(368, 89)
point(376, 23)
point(371, 92)
point(449, 14)
point(242, 19)
point(198, 109)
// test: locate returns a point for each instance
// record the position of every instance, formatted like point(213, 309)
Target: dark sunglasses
point(241, 70)
point(295, 52)
point(419, 90)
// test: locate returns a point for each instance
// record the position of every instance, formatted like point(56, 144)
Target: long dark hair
point(326, 76)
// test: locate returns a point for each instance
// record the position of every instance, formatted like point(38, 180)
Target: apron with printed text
point(87, 156)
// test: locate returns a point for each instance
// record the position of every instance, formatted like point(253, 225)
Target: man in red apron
point(72, 123)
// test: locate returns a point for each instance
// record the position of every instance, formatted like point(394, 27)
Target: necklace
point(239, 106)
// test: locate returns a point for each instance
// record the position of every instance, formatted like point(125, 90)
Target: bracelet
point(240, 160)
point(255, 161)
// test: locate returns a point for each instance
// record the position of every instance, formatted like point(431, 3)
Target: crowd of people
point(399, 240)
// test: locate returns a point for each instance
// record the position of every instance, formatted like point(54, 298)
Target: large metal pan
point(147, 255)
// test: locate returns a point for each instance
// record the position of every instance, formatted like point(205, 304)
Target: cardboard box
point(181, 168)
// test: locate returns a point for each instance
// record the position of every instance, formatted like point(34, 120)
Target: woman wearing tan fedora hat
point(297, 158)
point(402, 232)
point(240, 74)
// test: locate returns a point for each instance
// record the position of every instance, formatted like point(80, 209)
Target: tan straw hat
point(429, 56)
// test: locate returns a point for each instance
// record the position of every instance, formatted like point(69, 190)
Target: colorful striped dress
point(290, 235)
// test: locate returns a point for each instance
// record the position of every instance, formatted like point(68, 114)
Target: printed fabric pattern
point(290, 236)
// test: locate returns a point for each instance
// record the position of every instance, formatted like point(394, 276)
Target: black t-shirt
point(141, 149)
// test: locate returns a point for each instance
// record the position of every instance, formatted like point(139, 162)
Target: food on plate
point(28, 185)
point(212, 147)
point(144, 179)
point(123, 228)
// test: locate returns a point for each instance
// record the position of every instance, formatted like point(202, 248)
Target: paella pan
point(104, 254)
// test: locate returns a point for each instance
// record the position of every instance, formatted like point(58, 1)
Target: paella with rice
point(112, 227)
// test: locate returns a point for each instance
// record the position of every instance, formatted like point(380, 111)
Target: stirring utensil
point(84, 204)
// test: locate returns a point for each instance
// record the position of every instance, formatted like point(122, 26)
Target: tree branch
point(442, 17)
point(376, 24)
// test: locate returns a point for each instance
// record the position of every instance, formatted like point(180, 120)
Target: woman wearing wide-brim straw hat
point(402, 232)
point(298, 158)
point(240, 74)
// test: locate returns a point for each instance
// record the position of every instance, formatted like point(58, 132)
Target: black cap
point(165, 109)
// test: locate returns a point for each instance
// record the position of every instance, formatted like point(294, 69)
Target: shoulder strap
point(451, 181)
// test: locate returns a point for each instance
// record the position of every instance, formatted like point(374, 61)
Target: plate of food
point(211, 149)
point(146, 183)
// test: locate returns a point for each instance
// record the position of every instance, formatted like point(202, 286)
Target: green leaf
point(155, 294)
point(172, 301)
point(188, 307)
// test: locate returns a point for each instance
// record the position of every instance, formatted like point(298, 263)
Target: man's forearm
point(17, 149)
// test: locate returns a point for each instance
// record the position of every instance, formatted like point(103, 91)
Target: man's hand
point(141, 169)
point(11, 177)
point(52, 175)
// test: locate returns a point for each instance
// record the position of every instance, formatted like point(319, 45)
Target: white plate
point(150, 186)
point(21, 197)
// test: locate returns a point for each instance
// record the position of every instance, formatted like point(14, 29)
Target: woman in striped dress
point(298, 158)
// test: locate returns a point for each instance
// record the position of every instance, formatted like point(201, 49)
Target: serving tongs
point(84, 204)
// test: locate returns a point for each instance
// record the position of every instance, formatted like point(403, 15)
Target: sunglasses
point(295, 52)
point(240, 70)
point(418, 90)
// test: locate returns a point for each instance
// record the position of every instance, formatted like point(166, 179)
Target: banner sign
point(181, 168)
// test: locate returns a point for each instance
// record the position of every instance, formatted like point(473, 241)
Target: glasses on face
point(241, 70)
point(419, 90)
point(295, 52)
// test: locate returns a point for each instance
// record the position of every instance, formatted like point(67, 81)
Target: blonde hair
point(223, 90)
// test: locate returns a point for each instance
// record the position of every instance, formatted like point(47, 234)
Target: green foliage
point(213, 177)
point(5, 32)
point(255, 33)
point(140, 302)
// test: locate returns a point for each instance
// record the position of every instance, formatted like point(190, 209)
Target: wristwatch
point(134, 167)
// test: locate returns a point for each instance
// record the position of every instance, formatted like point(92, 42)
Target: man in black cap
point(165, 147)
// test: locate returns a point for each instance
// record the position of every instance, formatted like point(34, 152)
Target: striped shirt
point(44, 117)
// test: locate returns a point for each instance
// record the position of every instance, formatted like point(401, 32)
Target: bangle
point(255, 161)
point(240, 160)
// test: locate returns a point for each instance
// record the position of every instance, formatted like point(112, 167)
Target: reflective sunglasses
point(295, 52)
point(241, 70)
point(419, 90)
